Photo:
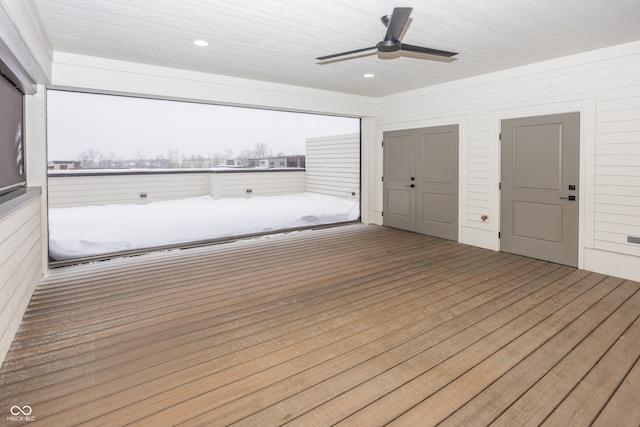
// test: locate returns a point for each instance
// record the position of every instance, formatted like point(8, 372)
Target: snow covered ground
point(79, 232)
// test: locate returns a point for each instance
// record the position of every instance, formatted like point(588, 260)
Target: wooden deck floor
point(356, 325)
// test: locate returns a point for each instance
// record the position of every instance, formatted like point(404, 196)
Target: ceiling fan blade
point(335, 55)
point(426, 50)
point(399, 19)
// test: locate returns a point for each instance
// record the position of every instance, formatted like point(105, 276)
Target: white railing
point(84, 188)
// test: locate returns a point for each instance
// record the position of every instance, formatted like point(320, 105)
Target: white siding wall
point(236, 184)
point(333, 165)
point(617, 169)
point(20, 267)
point(603, 85)
point(66, 191)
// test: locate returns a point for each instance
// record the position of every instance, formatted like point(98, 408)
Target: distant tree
point(160, 162)
point(195, 161)
point(112, 160)
point(116, 159)
point(280, 154)
point(170, 159)
point(246, 154)
point(141, 159)
point(87, 158)
point(214, 159)
point(262, 150)
point(102, 160)
point(187, 162)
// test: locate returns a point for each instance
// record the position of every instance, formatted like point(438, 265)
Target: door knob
point(570, 198)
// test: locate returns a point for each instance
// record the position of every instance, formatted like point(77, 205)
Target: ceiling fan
point(395, 23)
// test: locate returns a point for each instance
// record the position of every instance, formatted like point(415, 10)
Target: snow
point(79, 232)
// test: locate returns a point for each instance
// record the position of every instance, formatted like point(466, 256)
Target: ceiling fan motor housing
point(389, 46)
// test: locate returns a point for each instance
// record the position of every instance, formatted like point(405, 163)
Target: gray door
point(437, 182)
point(540, 173)
point(420, 173)
point(399, 200)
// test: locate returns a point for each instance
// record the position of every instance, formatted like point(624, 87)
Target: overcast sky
point(77, 122)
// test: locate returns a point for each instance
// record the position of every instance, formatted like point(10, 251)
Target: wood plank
point(600, 383)
point(541, 381)
point(623, 409)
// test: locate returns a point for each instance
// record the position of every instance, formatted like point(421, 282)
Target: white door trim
point(586, 193)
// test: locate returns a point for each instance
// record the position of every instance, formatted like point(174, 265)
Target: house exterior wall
point(20, 266)
point(333, 165)
point(62, 165)
point(603, 85)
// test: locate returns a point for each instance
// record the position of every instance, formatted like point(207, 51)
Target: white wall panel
point(236, 184)
point(36, 159)
point(111, 76)
point(333, 165)
point(84, 190)
point(20, 267)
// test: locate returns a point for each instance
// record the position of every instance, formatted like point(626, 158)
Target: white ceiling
point(278, 40)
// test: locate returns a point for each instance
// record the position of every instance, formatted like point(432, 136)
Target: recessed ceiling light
point(368, 75)
point(201, 43)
